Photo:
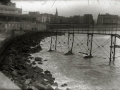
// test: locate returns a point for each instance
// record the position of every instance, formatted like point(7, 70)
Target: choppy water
point(77, 72)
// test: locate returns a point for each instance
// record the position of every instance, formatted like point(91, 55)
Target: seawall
point(14, 61)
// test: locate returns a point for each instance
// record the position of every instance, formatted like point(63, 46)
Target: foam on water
point(77, 72)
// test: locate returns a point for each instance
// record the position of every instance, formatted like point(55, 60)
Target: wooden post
point(111, 50)
point(87, 39)
point(56, 41)
point(72, 41)
point(51, 44)
point(68, 38)
point(91, 45)
point(114, 49)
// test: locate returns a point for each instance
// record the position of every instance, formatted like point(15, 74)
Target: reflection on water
point(77, 72)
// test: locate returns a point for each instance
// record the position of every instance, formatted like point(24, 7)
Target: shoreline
point(17, 66)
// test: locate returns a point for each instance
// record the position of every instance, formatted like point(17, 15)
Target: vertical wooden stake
point(114, 49)
point(56, 41)
point(111, 50)
point(91, 45)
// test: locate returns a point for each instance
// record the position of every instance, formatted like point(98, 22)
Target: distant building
point(12, 18)
point(10, 9)
point(77, 19)
point(44, 18)
point(34, 13)
point(88, 19)
point(64, 20)
point(74, 19)
point(106, 19)
point(55, 18)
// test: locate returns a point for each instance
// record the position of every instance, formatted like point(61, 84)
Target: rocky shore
point(15, 62)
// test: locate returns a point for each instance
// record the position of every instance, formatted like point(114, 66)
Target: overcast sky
point(70, 7)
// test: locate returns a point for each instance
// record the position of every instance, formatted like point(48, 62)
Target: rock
point(68, 53)
point(23, 67)
point(49, 87)
point(22, 72)
point(40, 62)
point(31, 88)
point(48, 76)
point(45, 80)
point(67, 89)
point(55, 84)
point(41, 86)
point(57, 88)
point(45, 60)
point(27, 81)
point(30, 57)
point(37, 69)
point(63, 85)
point(38, 59)
point(44, 83)
point(53, 78)
point(5, 67)
point(33, 63)
point(14, 73)
point(17, 67)
point(18, 57)
point(47, 72)
point(27, 61)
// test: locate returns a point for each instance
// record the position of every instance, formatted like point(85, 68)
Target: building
point(10, 9)
point(12, 18)
point(55, 19)
point(44, 18)
point(34, 13)
point(74, 19)
point(106, 19)
point(88, 19)
point(77, 19)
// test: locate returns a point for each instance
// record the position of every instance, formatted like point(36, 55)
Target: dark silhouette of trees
point(5, 2)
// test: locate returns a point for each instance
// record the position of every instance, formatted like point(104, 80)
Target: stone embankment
point(15, 62)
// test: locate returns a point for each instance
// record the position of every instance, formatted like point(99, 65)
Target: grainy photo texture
point(59, 44)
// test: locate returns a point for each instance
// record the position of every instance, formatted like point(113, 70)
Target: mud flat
point(15, 62)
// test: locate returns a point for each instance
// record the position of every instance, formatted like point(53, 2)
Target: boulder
point(23, 67)
point(63, 85)
point(17, 67)
point(47, 72)
point(33, 63)
point(38, 59)
point(28, 61)
point(22, 72)
point(27, 81)
point(41, 86)
point(57, 88)
point(14, 73)
point(39, 62)
point(45, 60)
point(31, 88)
point(37, 69)
point(30, 57)
point(55, 84)
point(68, 89)
point(49, 87)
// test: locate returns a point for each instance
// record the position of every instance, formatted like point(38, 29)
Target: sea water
point(77, 72)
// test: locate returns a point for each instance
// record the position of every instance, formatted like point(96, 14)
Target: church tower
point(56, 14)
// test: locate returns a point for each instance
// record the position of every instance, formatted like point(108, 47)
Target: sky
point(70, 7)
